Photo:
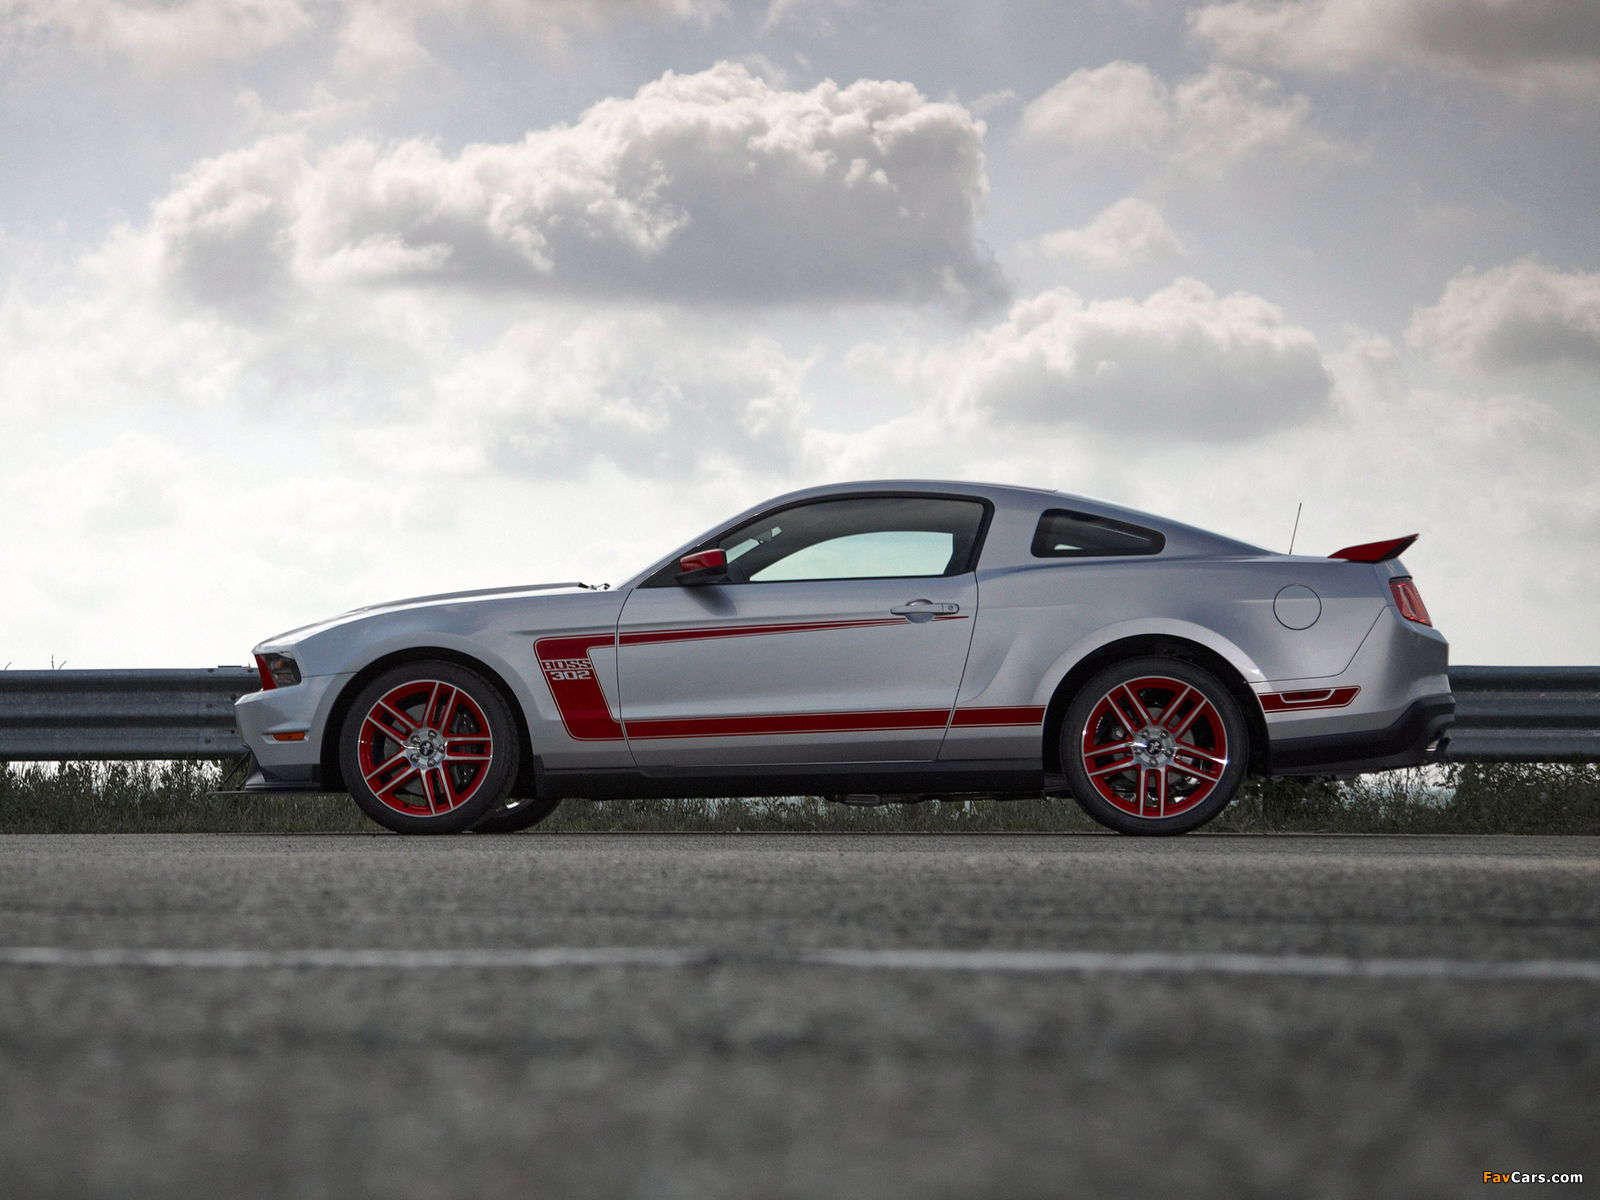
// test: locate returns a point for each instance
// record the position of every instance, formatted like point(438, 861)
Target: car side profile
point(871, 641)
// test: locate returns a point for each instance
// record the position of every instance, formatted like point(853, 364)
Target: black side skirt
point(1417, 738)
point(989, 777)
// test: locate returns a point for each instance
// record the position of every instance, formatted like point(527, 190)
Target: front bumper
point(294, 766)
point(295, 778)
point(1419, 736)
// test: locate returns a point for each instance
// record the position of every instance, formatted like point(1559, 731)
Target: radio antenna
point(1296, 532)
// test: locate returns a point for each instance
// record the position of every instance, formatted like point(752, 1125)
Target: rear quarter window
point(1064, 533)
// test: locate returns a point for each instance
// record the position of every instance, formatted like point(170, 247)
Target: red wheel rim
point(425, 748)
point(1155, 747)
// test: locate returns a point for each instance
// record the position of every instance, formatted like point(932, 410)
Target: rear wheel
point(429, 747)
point(1154, 746)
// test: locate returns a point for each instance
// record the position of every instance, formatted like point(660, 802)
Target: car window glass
point(1063, 533)
point(750, 543)
point(872, 537)
point(865, 556)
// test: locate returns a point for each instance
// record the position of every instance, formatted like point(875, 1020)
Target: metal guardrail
point(121, 714)
point(1525, 714)
point(1503, 714)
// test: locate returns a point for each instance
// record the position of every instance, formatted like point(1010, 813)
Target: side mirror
point(708, 566)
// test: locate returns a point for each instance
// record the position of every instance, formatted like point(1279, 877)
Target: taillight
point(1409, 601)
point(276, 671)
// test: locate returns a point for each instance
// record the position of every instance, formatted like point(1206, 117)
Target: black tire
point(516, 815)
point(437, 756)
point(1170, 784)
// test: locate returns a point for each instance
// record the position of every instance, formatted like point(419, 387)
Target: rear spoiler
point(1376, 552)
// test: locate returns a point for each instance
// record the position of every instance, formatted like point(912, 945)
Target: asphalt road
point(727, 1055)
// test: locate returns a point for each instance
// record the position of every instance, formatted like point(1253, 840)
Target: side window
point(873, 537)
point(1063, 533)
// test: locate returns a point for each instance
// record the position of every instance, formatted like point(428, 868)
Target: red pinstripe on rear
point(1273, 702)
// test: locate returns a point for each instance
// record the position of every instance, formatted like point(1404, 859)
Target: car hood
point(294, 637)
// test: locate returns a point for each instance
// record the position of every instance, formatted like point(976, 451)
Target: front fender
point(478, 649)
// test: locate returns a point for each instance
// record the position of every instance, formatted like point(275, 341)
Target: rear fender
point(1137, 639)
point(1185, 631)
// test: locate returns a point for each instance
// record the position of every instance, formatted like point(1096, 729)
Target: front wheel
point(429, 747)
point(1154, 746)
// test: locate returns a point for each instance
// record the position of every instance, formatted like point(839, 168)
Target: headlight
point(277, 670)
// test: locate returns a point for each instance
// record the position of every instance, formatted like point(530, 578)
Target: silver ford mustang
point(870, 642)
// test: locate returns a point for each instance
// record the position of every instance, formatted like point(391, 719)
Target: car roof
point(1010, 535)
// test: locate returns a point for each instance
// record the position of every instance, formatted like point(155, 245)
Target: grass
point(1466, 798)
point(1459, 798)
point(166, 797)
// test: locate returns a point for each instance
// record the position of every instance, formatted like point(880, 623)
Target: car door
point(838, 633)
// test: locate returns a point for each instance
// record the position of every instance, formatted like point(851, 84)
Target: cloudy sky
point(306, 304)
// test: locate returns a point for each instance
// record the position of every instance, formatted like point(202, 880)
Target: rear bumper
point(1418, 737)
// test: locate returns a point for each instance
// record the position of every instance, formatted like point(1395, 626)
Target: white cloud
point(1184, 364)
point(714, 187)
point(161, 32)
point(1227, 114)
point(987, 104)
point(1119, 102)
point(225, 236)
point(654, 395)
point(1128, 232)
point(171, 33)
point(389, 35)
point(398, 382)
point(1208, 121)
point(1525, 43)
point(1523, 314)
point(815, 17)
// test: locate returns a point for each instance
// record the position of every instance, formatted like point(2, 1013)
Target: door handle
point(918, 611)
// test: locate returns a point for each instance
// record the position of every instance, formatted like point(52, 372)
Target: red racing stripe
point(830, 722)
point(967, 718)
point(645, 637)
